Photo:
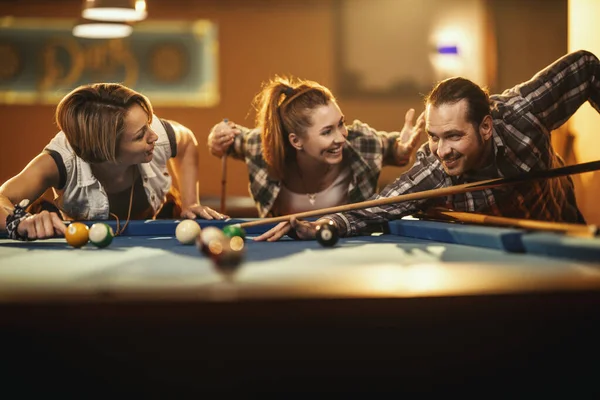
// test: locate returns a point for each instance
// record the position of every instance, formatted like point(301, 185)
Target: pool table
point(425, 307)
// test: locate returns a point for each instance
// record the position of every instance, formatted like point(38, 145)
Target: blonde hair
point(284, 106)
point(93, 118)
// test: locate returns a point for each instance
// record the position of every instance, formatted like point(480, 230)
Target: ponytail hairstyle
point(92, 118)
point(285, 106)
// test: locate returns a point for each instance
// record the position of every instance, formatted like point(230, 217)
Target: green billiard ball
point(101, 234)
point(234, 230)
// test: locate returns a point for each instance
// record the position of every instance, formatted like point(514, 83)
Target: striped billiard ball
point(101, 234)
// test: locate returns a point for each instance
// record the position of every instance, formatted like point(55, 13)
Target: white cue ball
point(187, 231)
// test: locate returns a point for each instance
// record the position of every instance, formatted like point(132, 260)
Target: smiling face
point(136, 144)
point(325, 139)
point(454, 140)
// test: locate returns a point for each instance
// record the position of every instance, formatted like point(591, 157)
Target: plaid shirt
point(523, 118)
point(366, 149)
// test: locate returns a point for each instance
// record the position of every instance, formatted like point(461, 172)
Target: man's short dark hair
point(453, 90)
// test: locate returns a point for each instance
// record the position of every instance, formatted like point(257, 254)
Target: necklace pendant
point(312, 198)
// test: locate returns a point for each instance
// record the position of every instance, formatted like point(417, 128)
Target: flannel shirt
point(366, 149)
point(523, 118)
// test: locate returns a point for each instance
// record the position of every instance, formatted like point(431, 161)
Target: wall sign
point(174, 63)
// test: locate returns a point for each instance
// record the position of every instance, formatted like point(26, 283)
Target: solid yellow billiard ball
point(77, 234)
point(187, 231)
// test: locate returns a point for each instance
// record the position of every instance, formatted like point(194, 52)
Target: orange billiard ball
point(77, 234)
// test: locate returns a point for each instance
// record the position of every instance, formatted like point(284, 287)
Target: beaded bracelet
point(14, 219)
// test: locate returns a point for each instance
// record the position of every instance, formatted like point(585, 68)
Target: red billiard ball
point(227, 255)
point(207, 235)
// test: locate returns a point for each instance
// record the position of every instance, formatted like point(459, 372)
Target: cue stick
point(223, 181)
point(223, 177)
point(445, 191)
point(475, 218)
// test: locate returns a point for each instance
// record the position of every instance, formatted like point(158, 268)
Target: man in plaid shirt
point(473, 136)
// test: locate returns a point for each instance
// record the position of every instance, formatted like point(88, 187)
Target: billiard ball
point(207, 235)
point(77, 234)
point(327, 234)
point(101, 234)
point(234, 230)
point(227, 255)
point(187, 231)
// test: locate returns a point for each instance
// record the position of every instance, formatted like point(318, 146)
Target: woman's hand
point(41, 226)
point(408, 141)
point(304, 230)
point(221, 137)
point(197, 210)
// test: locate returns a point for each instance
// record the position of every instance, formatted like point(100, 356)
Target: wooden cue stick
point(445, 191)
point(223, 178)
point(475, 218)
point(223, 182)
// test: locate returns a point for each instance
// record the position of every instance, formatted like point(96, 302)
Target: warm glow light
point(457, 42)
point(111, 11)
point(583, 34)
point(114, 14)
point(448, 63)
point(449, 36)
point(101, 30)
point(140, 7)
point(420, 278)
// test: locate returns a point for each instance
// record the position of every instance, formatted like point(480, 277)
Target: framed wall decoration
point(175, 63)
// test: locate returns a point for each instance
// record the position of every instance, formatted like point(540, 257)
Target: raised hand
point(408, 141)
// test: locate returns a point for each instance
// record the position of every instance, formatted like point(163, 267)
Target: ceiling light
point(114, 10)
point(101, 30)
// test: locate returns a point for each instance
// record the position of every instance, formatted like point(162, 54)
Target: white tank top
point(336, 194)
